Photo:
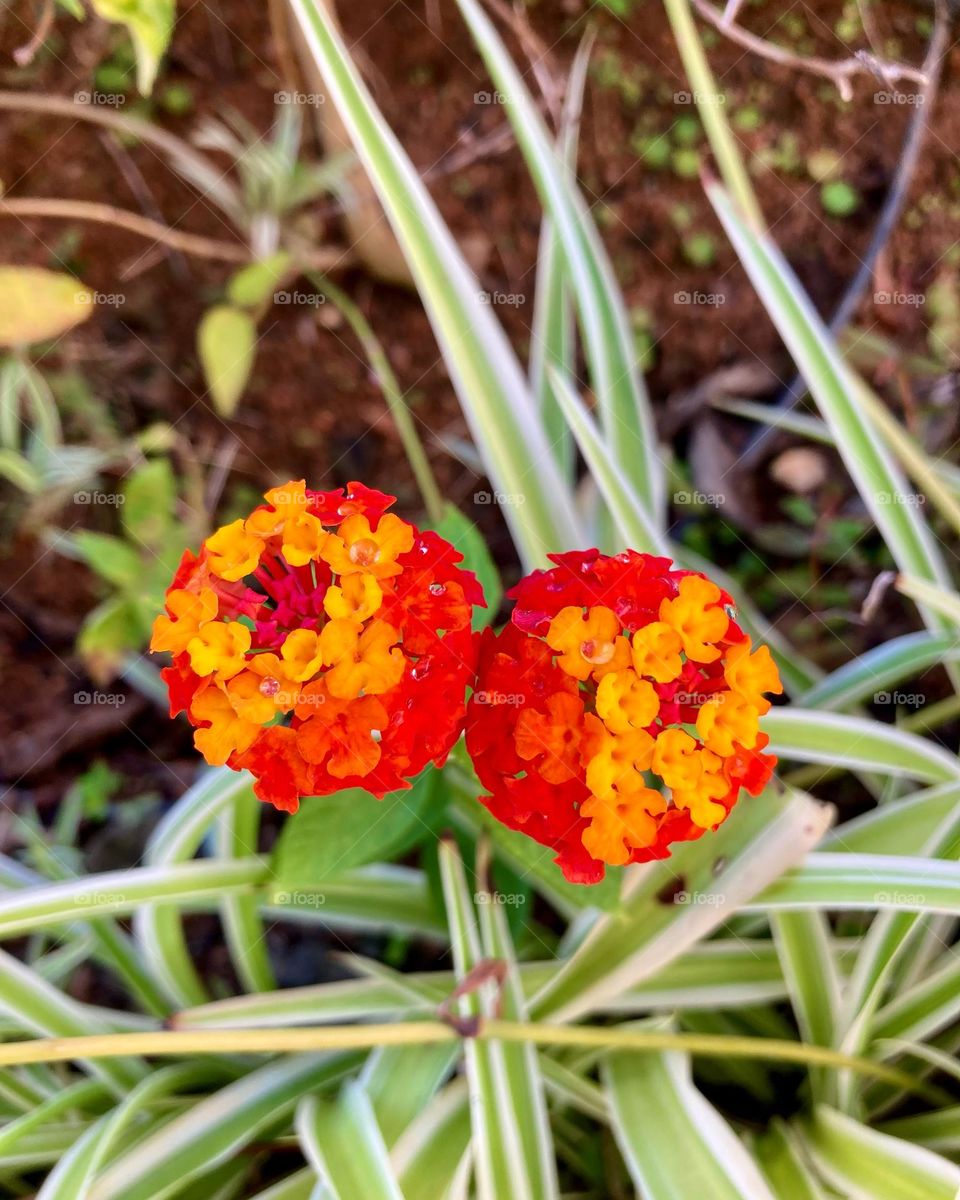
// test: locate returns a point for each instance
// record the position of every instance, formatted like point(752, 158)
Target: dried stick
point(838, 71)
point(886, 222)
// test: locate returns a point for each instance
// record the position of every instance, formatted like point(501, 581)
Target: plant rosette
point(618, 710)
point(321, 643)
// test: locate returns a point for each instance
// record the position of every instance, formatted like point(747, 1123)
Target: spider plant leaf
point(488, 378)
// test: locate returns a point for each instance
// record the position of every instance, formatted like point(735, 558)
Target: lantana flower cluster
point(618, 711)
point(321, 643)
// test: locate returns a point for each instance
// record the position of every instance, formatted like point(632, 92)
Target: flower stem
point(357, 1037)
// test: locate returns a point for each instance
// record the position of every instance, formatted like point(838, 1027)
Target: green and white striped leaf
point(237, 830)
point(870, 675)
point(856, 744)
point(488, 378)
point(942, 600)
point(785, 1168)
point(865, 882)
point(553, 338)
point(925, 1009)
point(433, 1157)
point(402, 1080)
point(863, 1164)
point(901, 828)
point(675, 1144)
point(879, 480)
point(507, 1113)
point(938, 1131)
point(670, 905)
point(809, 967)
point(158, 927)
point(217, 1128)
point(343, 1143)
point(625, 408)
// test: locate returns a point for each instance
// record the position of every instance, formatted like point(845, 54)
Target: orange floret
point(357, 548)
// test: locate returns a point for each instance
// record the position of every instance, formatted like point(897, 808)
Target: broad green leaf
point(217, 1128)
point(857, 743)
point(466, 537)
point(255, 284)
point(36, 304)
point(150, 25)
point(109, 632)
point(149, 503)
point(879, 480)
point(226, 343)
point(866, 1165)
point(110, 557)
point(675, 1144)
point(328, 835)
point(342, 1141)
point(669, 906)
point(608, 342)
point(488, 378)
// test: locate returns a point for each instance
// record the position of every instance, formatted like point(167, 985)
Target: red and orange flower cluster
point(321, 643)
point(618, 710)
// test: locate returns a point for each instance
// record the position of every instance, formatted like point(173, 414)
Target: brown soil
point(313, 408)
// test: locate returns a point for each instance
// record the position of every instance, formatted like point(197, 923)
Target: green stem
point(380, 365)
point(422, 1033)
point(709, 100)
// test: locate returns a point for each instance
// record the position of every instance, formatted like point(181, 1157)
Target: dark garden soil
point(312, 407)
